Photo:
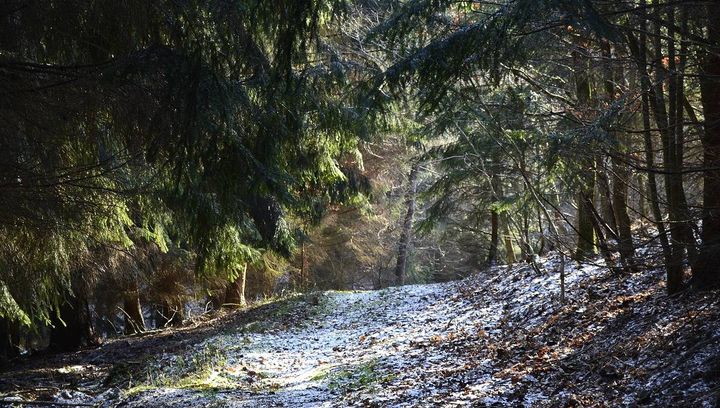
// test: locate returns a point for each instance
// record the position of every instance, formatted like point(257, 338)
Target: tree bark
point(676, 192)
point(406, 233)
point(529, 253)
point(585, 247)
point(235, 292)
point(625, 244)
point(8, 341)
point(641, 196)
point(507, 241)
point(604, 195)
point(494, 237)
point(638, 48)
point(705, 274)
point(652, 182)
point(666, 127)
point(598, 228)
point(620, 175)
point(494, 220)
point(134, 320)
point(71, 325)
point(545, 244)
point(586, 232)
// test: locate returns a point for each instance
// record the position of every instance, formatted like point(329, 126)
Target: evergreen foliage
point(191, 127)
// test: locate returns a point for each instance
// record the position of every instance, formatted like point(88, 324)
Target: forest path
point(352, 341)
point(498, 338)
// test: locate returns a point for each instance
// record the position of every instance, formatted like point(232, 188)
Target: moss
point(253, 327)
point(198, 371)
point(283, 309)
point(138, 389)
point(321, 374)
point(203, 368)
point(209, 384)
point(352, 378)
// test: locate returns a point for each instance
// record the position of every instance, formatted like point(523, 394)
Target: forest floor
point(498, 338)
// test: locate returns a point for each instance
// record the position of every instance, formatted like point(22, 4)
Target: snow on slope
point(499, 338)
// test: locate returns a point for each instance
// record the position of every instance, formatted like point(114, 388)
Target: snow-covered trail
point(500, 338)
point(353, 340)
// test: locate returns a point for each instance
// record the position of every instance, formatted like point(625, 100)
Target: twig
point(132, 322)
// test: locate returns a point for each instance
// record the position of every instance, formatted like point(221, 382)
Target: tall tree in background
point(405, 241)
point(499, 41)
point(585, 247)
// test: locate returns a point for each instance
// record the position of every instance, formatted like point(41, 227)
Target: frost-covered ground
point(354, 343)
point(500, 338)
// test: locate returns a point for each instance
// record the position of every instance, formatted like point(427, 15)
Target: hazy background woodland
point(163, 159)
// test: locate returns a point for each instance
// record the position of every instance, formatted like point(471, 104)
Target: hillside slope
point(499, 338)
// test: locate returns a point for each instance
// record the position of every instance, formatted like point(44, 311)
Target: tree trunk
point(650, 100)
point(303, 260)
point(586, 233)
point(134, 321)
point(494, 238)
point(71, 325)
point(545, 244)
point(666, 126)
point(529, 253)
point(705, 274)
point(235, 292)
point(676, 94)
point(507, 241)
point(585, 247)
point(494, 220)
point(641, 195)
point(406, 233)
point(620, 189)
point(620, 174)
point(605, 197)
point(602, 242)
point(652, 182)
point(8, 341)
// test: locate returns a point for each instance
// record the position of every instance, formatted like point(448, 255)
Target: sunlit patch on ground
point(500, 338)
